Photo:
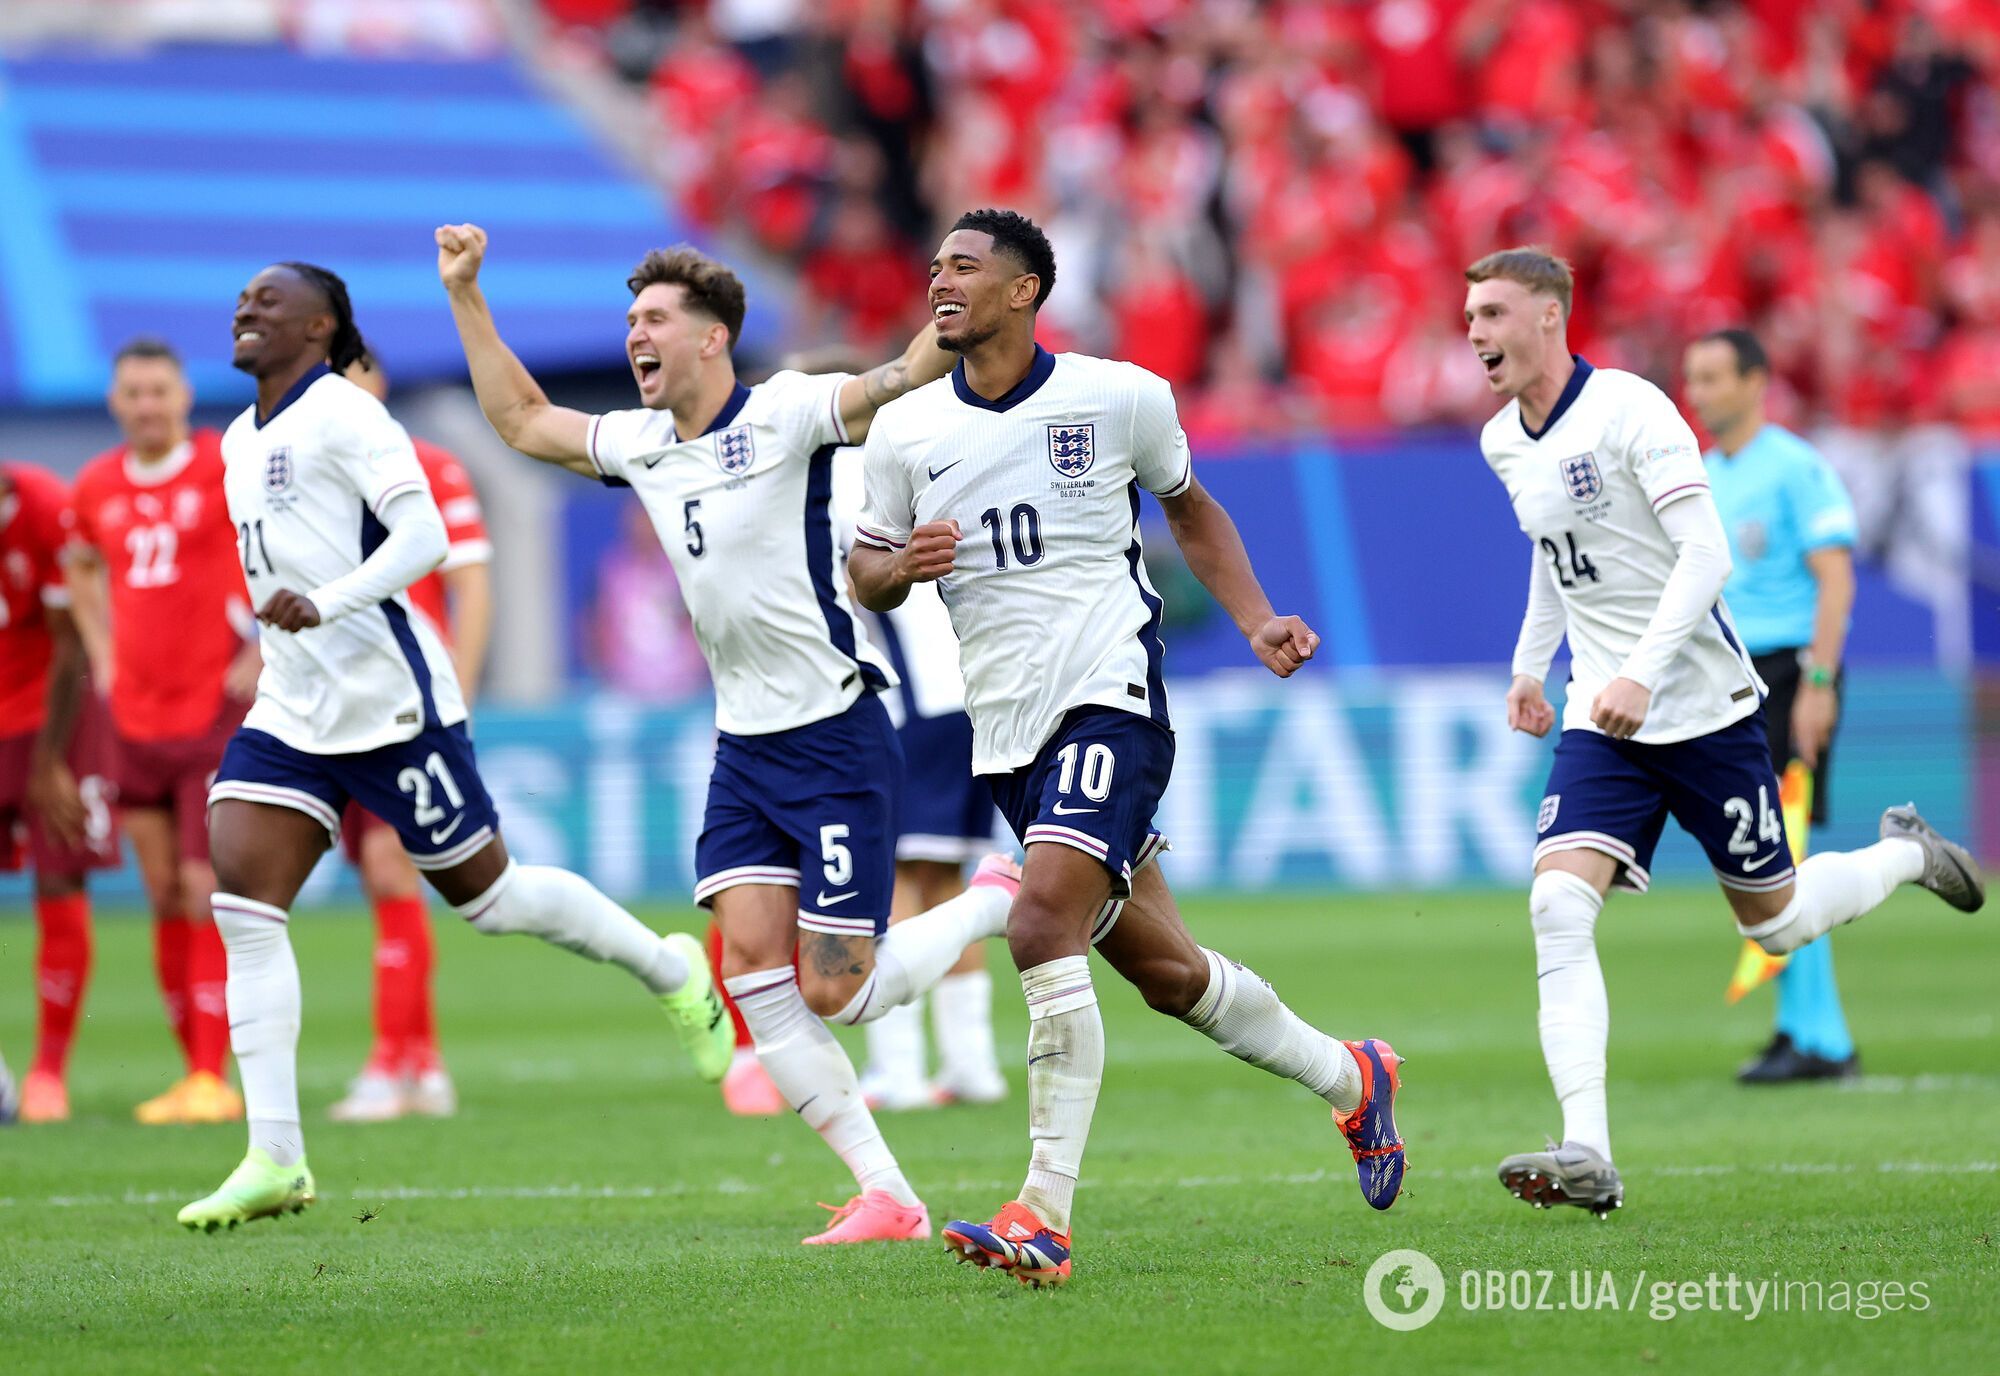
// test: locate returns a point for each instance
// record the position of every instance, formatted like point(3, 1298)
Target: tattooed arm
point(865, 394)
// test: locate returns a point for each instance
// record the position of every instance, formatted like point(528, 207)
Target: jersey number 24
point(1579, 566)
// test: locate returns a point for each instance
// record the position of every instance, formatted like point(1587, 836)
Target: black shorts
point(1782, 674)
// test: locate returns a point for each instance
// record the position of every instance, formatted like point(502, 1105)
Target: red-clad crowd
point(1269, 203)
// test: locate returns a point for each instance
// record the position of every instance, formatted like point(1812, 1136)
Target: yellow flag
point(1754, 964)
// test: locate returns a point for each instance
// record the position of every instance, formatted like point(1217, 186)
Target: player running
point(51, 803)
point(405, 1072)
point(1014, 485)
point(358, 700)
point(1628, 560)
point(796, 844)
point(160, 601)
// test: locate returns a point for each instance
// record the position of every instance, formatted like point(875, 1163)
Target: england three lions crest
point(1072, 449)
point(278, 470)
point(733, 449)
point(1581, 478)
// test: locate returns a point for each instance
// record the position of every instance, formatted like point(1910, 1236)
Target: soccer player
point(358, 700)
point(947, 822)
point(47, 747)
point(1791, 535)
point(1014, 485)
point(796, 847)
point(1628, 559)
point(405, 1073)
point(159, 596)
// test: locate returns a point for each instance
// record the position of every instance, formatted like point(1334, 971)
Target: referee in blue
point(1791, 537)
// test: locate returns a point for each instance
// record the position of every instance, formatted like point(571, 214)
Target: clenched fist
point(461, 249)
point(932, 550)
point(1284, 643)
point(289, 611)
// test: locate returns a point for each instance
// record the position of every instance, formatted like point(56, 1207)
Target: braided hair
point(346, 347)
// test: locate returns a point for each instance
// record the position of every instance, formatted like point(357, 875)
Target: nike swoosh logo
point(826, 902)
point(1043, 1057)
point(937, 473)
point(1752, 866)
point(443, 834)
point(1062, 811)
point(655, 461)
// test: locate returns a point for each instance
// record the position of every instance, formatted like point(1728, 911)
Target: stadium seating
point(145, 189)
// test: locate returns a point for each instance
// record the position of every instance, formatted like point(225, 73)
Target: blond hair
point(1534, 268)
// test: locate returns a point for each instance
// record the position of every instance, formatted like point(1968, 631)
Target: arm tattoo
point(884, 384)
point(829, 954)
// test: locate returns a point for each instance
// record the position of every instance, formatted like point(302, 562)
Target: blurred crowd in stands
point(1269, 203)
point(451, 28)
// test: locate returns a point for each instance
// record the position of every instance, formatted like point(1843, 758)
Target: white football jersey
point(304, 489)
point(1586, 491)
point(917, 637)
point(744, 512)
point(1048, 593)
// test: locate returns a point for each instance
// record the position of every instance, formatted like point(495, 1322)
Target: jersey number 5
point(1580, 566)
point(697, 542)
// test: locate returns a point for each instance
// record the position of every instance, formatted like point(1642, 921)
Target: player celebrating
point(1014, 485)
point(358, 700)
point(795, 848)
point(1628, 560)
point(405, 1072)
point(49, 744)
point(160, 599)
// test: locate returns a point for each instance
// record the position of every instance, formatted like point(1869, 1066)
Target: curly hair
point(1021, 239)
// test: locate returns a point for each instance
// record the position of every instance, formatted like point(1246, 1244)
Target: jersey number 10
point(1026, 528)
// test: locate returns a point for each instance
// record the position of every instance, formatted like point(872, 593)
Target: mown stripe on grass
point(682, 1189)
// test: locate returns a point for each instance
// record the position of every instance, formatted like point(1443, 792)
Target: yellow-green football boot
point(696, 1011)
point(259, 1188)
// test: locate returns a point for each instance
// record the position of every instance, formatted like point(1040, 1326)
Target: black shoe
point(1783, 1063)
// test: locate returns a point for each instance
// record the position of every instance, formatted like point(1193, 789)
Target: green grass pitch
point(592, 1208)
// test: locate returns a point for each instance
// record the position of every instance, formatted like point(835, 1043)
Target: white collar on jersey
point(161, 470)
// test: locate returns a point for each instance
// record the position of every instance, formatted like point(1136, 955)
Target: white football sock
point(566, 910)
point(1575, 1015)
point(1244, 1016)
point(1835, 887)
point(962, 1024)
point(1065, 1068)
point(896, 1047)
point(813, 1073)
point(263, 996)
point(919, 951)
